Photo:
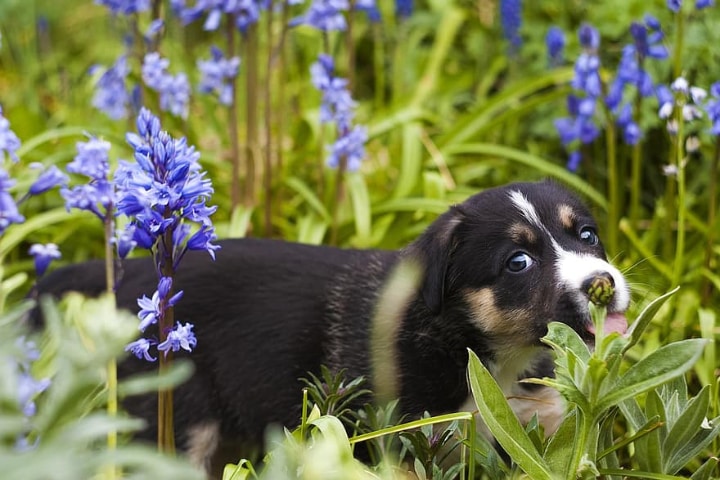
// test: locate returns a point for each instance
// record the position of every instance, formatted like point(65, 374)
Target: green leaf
point(563, 338)
point(14, 236)
point(686, 452)
point(643, 320)
point(411, 161)
point(534, 162)
point(561, 445)
point(687, 424)
point(705, 472)
point(241, 471)
point(302, 189)
point(502, 422)
point(654, 370)
point(361, 208)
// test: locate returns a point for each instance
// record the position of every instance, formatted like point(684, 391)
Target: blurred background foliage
point(450, 109)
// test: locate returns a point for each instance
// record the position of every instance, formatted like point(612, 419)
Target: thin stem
point(111, 369)
point(613, 189)
point(267, 171)
point(339, 197)
point(711, 222)
point(635, 167)
point(166, 427)
point(235, 160)
point(251, 116)
point(681, 211)
point(350, 46)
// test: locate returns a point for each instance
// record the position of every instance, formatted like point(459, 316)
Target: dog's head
point(516, 258)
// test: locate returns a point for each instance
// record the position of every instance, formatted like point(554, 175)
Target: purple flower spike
point(181, 337)
point(47, 180)
point(9, 142)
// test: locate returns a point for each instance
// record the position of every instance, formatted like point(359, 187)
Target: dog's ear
point(433, 250)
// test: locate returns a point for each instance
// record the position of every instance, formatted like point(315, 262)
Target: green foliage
point(668, 433)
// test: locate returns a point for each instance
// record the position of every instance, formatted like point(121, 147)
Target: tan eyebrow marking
point(522, 234)
point(567, 216)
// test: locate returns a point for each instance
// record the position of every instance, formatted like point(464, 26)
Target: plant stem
point(681, 212)
point(612, 189)
point(111, 368)
point(251, 116)
point(711, 222)
point(267, 170)
point(235, 189)
point(636, 168)
point(166, 427)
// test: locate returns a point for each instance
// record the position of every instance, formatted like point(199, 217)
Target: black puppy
point(495, 270)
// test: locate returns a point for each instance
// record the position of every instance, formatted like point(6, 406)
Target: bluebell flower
point(179, 337)
point(9, 213)
point(98, 195)
point(351, 146)
point(700, 4)
point(712, 107)
point(141, 349)
point(125, 242)
point(111, 95)
point(47, 180)
point(28, 386)
point(44, 255)
point(511, 20)
point(338, 106)
point(325, 15)
point(174, 90)
point(151, 309)
point(630, 130)
point(218, 74)
point(154, 30)
point(154, 70)
point(165, 186)
point(125, 7)
point(9, 142)
point(245, 12)
point(674, 5)
point(589, 37)
point(555, 43)
point(403, 8)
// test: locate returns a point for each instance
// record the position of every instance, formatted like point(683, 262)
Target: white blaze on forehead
point(574, 268)
point(526, 208)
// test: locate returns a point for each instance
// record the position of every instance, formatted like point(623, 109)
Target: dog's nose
point(599, 287)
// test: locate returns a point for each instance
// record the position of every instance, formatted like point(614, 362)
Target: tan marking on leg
point(202, 444)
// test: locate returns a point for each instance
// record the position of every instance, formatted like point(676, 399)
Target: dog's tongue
point(615, 322)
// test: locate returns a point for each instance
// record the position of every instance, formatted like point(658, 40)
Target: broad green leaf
point(687, 424)
point(654, 370)
point(502, 422)
point(561, 445)
point(643, 320)
point(705, 472)
point(241, 471)
point(684, 453)
point(411, 160)
point(333, 429)
point(14, 236)
point(621, 472)
point(362, 209)
point(566, 338)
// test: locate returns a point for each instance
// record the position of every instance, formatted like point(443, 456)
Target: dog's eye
point(588, 235)
point(519, 262)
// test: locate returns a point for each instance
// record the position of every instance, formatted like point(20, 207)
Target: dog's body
point(495, 271)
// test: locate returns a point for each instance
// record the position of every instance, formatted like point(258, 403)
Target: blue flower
point(141, 349)
point(44, 255)
point(9, 142)
point(152, 309)
point(589, 37)
point(49, 179)
point(174, 90)
point(218, 74)
point(630, 130)
point(111, 95)
point(674, 5)
point(9, 213)
point(511, 19)
point(403, 8)
point(351, 146)
point(712, 107)
point(181, 336)
point(125, 242)
point(337, 103)
point(125, 7)
point(98, 195)
point(700, 4)
point(245, 12)
point(555, 42)
point(28, 386)
point(325, 15)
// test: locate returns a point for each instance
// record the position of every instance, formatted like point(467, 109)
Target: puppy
point(495, 270)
